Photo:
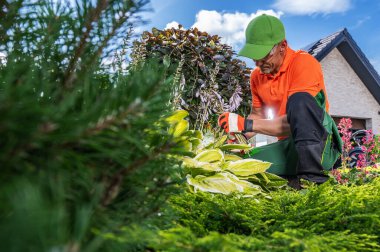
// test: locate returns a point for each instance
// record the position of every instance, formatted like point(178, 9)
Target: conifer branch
point(93, 17)
point(111, 120)
point(105, 41)
point(113, 188)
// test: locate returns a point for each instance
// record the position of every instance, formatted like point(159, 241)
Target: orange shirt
point(299, 72)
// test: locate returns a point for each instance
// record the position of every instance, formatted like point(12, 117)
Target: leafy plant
point(209, 80)
point(212, 170)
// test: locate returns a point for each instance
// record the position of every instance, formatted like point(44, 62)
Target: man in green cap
point(290, 83)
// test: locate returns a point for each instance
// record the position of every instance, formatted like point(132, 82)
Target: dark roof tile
point(346, 45)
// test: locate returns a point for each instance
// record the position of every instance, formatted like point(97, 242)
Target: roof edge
point(346, 45)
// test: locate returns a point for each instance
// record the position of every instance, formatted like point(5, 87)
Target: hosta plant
point(213, 167)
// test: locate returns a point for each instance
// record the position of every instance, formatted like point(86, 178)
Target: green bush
point(183, 239)
point(328, 217)
point(322, 218)
point(83, 148)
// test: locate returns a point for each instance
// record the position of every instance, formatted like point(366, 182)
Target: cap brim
point(255, 52)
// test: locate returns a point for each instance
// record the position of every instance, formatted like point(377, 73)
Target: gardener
point(290, 83)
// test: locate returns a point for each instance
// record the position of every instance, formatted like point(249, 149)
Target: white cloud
point(303, 7)
point(229, 26)
point(172, 24)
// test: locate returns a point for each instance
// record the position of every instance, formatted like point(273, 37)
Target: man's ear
point(283, 45)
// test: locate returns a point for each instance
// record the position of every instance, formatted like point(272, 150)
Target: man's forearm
point(273, 127)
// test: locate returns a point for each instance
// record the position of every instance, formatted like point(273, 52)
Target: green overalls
point(283, 154)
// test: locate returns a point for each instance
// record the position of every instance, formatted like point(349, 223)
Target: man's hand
point(231, 122)
point(249, 135)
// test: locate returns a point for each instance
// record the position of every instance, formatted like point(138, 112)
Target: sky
point(305, 21)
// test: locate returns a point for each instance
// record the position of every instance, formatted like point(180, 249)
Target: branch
point(94, 16)
point(118, 24)
point(106, 39)
point(114, 187)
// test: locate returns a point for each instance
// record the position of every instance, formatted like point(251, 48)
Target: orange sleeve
point(306, 75)
point(256, 101)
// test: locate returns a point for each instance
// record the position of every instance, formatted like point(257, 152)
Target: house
point(352, 84)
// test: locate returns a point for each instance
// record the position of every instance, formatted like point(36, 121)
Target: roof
point(346, 45)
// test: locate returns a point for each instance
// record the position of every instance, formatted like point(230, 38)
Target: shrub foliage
point(209, 79)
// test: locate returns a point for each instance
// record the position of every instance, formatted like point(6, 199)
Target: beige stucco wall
point(347, 94)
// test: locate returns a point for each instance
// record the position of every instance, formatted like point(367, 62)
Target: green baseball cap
point(262, 33)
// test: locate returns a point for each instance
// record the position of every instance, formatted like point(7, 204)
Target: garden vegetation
point(96, 156)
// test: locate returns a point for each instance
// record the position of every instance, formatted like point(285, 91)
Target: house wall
point(348, 96)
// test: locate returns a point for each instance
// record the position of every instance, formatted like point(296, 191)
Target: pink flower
point(362, 161)
point(344, 126)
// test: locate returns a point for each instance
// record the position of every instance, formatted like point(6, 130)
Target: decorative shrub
point(209, 80)
point(327, 217)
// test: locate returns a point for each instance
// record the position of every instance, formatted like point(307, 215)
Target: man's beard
point(267, 69)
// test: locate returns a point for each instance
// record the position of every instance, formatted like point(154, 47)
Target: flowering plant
point(365, 169)
point(344, 127)
point(355, 176)
point(370, 155)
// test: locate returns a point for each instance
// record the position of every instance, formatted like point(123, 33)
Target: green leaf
point(274, 180)
point(235, 147)
point(180, 128)
point(215, 184)
point(251, 178)
point(252, 152)
point(263, 178)
point(249, 188)
point(247, 167)
point(177, 116)
point(220, 141)
point(195, 142)
point(201, 166)
point(214, 155)
point(194, 133)
point(232, 157)
point(185, 145)
point(224, 183)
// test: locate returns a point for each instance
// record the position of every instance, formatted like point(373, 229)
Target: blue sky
point(305, 21)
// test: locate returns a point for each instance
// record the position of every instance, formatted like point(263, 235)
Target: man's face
point(271, 63)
